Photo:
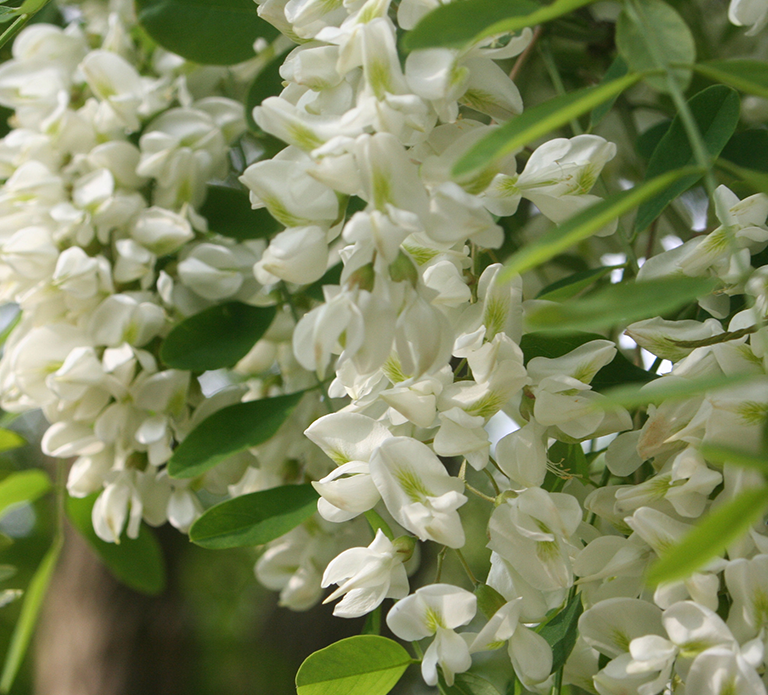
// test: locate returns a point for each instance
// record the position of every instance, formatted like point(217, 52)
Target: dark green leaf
point(716, 112)
point(652, 35)
point(620, 304)
point(648, 140)
point(488, 599)
point(570, 286)
point(617, 69)
point(362, 665)
point(569, 457)
point(562, 630)
point(332, 277)
point(10, 440)
point(619, 371)
point(468, 684)
point(211, 32)
point(536, 122)
point(585, 223)
point(756, 180)
point(710, 537)
point(750, 76)
point(229, 213)
point(254, 519)
point(228, 431)
point(23, 487)
point(748, 149)
point(236, 327)
point(736, 457)
point(30, 609)
point(136, 562)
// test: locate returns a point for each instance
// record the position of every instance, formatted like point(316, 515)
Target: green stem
point(376, 522)
point(465, 565)
point(15, 28)
point(493, 481)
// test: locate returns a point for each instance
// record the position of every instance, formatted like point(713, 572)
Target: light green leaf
point(538, 121)
point(572, 285)
point(467, 684)
point(617, 69)
point(23, 487)
point(254, 519)
point(736, 457)
point(464, 23)
point(663, 390)
point(750, 76)
point(618, 371)
point(228, 431)
point(136, 562)
point(584, 224)
point(716, 112)
point(362, 665)
point(229, 213)
point(30, 609)
point(650, 35)
point(236, 328)
point(211, 32)
point(620, 304)
point(10, 440)
point(710, 537)
point(561, 632)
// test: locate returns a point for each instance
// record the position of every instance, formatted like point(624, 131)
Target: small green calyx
point(404, 547)
point(402, 269)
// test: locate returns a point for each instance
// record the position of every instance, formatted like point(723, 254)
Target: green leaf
point(652, 35)
point(538, 121)
point(561, 632)
point(750, 76)
point(10, 440)
point(267, 83)
point(211, 32)
point(757, 180)
point(23, 487)
point(372, 624)
point(570, 457)
point(30, 609)
point(617, 69)
point(619, 371)
point(468, 684)
point(254, 519)
point(737, 457)
point(229, 213)
point(464, 23)
point(228, 431)
point(236, 326)
point(648, 140)
point(361, 665)
point(669, 390)
point(488, 599)
point(585, 223)
point(716, 112)
point(570, 286)
point(710, 537)
point(136, 562)
point(620, 304)
point(748, 149)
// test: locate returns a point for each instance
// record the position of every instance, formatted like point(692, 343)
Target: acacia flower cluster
point(417, 345)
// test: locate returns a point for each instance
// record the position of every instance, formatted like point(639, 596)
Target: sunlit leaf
point(584, 224)
point(361, 665)
point(10, 440)
point(254, 519)
point(538, 121)
point(30, 609)
point(463, 23)
point(23, 487)
point(228, 431)
point(710, 537)
point(619, 304)
point(136, 562)
point(236, 327)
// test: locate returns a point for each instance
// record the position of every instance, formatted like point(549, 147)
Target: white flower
point(366, 576)
point(436, 610)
